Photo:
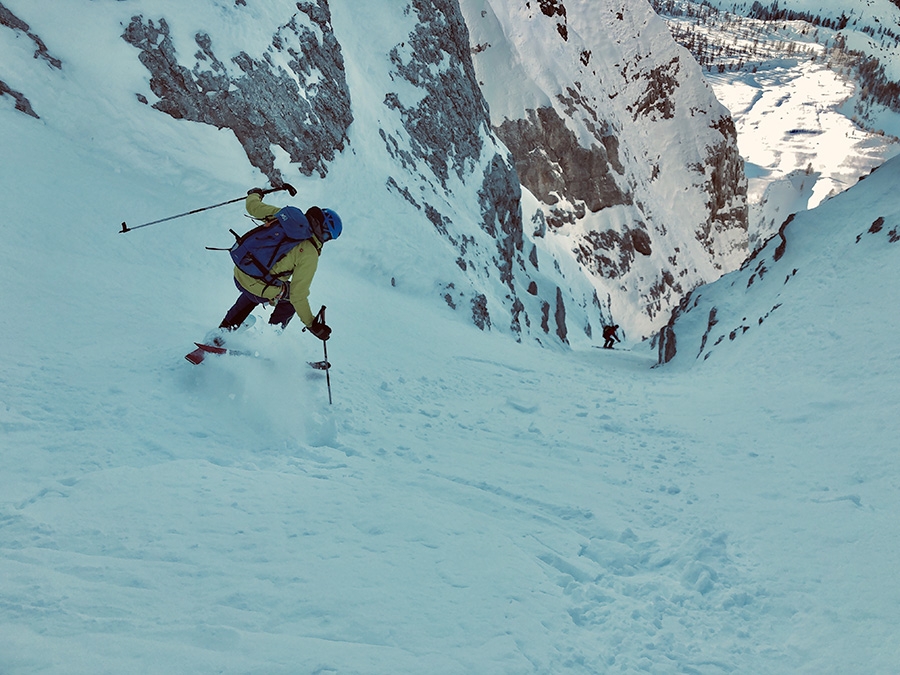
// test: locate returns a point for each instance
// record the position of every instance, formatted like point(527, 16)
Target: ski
point(196, 357)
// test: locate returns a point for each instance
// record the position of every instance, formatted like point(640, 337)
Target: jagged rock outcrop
point(501, 210)
point(596, 250)
point(22, 104)
point(555, 8)
point(14, 23)
point(446, 126)
point(726, 186)
point(551, 162)
point(667, 344)
point(10, 20)
point(304, 109)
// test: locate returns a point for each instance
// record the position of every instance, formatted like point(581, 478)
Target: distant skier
point(609, 334)
point(293, 269)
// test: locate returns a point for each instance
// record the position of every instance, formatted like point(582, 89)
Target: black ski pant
point(246, 302)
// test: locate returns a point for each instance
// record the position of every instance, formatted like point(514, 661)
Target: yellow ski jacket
point(301, 261)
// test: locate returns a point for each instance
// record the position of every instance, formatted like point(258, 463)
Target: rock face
point(10, 20)
point(447, 130)
point(551, 162)
point(259, 99)
point(22, 104)
point(614, 131)
point(446, 127)
point(726, 186)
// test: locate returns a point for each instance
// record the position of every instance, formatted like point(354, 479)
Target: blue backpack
point(256, 252)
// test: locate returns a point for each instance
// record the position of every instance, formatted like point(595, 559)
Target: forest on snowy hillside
point(745, 37)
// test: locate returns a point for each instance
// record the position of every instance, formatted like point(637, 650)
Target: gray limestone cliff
point(448, 130)
point(263, 103)
point(633, 161)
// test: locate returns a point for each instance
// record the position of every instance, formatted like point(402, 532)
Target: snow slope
point(468, 503)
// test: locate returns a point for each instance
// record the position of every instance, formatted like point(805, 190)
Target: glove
point(320, 330)
point(257, 191)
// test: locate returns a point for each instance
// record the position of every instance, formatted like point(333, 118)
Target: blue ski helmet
point(332, 226)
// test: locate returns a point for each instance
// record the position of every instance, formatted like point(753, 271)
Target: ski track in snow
point(471, 515)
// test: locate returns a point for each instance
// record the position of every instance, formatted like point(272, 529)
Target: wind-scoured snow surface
point(467, 504)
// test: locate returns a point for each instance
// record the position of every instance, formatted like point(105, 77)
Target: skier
point(609, 334)
point(297, 268)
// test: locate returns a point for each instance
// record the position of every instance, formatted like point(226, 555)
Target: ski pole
point(286, 186)
point(327, 370)
point(321, 317)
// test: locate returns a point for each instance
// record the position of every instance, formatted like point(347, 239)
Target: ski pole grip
point(284, 186)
